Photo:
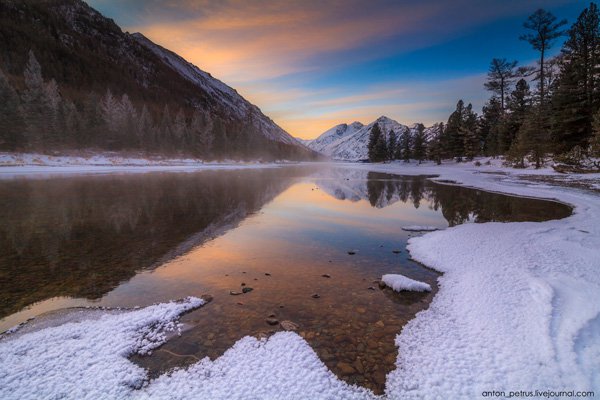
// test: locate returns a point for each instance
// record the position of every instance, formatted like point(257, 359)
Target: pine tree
point(34, 104)
point(11, 123)
point(469, 134)
point(577, 95)
point(52, 104)
point(531, 139)
point(435, 149)
point(374, 138)
point(180, 128)
point(454, 132)
point(391, 145)
point(594, 142)
point(519, 106)
point(406, 145)
point(501, 75)
point(145, 129)
point(419, 143)
point(545, 30)
point(380, 150)
point(489, 126)
point(166, 130)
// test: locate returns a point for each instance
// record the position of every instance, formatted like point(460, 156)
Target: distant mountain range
point(84, 52)
point(349, 142)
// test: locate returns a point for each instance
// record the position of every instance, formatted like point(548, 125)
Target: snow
point(518, 308)
point(400, 282)
point(17, 164)
point(349, 142)
point(86, 359)
point(419, 228)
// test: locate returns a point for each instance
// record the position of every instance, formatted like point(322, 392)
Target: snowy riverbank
point(518, 309)
point(19, 164)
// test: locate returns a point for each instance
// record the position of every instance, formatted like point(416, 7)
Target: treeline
point(549, 109)
point(38, 117)
point(406, 145)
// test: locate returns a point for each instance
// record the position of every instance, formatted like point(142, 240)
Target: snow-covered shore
point(32, 164)
point(518, 309)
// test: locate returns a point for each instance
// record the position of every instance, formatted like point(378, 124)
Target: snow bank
point(419, 228)
point(86, 359)
point(519, 303)
point(282, 367)
point(400, 282)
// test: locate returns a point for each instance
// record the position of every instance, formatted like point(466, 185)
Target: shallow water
point(133, 240)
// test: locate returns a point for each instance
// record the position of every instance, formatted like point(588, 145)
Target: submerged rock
point(289, 326)
point(345, 368)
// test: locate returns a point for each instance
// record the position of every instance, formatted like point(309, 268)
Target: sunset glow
point(312, 65)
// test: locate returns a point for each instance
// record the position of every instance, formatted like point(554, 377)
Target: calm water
point(133, 240)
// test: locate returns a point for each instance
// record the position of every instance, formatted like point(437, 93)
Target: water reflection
point(211, 232)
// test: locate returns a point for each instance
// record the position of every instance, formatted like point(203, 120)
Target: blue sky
point(312, 64)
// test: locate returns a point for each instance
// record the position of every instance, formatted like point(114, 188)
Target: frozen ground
point(518, 309)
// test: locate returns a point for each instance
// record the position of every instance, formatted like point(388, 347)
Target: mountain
point(324, 143)
point(89, 56)
point(350, 142)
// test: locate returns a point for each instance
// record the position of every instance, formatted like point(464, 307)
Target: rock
point(272, 315)
point(289, 326)
point(326, 276)
point(206, 297)
point(379, 377)
point(371, 288)
point(243, 284)
point(240, 303)
point(272, 321)
point(267, 274)
point(326, 355)
point(345, 368)
point(255, 279)
point(352, 252)
point(396, 251)
point(281, 306)
point(243, 272)
point(379, 324)
point(234, 293)
point(315, 296)
point(247, 289)
point(361, 310)
point(381, 284)
point(358, 366)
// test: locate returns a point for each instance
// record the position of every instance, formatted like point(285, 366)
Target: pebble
point(240, 303)
point(267, 274)
point(272, 321)
point(379, 324)
point(289, 325)
point(326, 276)
point(243, 284)
point(371, 288)
point(247, 289)
point(345, 368)
point(351, 252)
point(315, 296)
point(234, 293)
point(396, 251)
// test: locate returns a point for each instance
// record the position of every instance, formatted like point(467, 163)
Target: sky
point(310, 64)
